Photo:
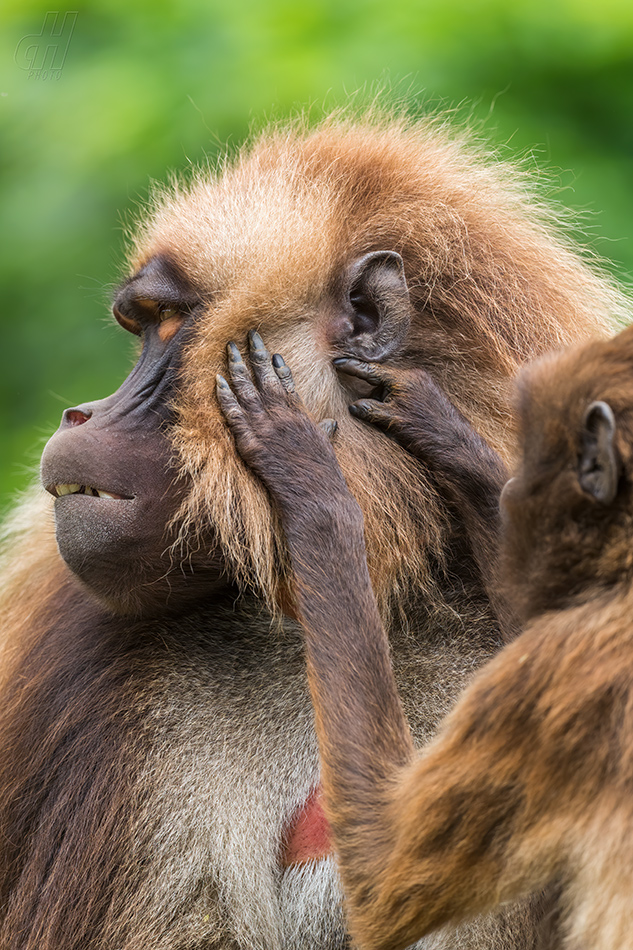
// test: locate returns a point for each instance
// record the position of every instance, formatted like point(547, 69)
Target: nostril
point(75, 417)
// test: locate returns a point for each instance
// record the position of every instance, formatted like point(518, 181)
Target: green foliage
point(152, 86)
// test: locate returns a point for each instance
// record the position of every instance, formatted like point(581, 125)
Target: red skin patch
point(307, 837)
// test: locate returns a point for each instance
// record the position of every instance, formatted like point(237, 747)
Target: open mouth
point(75, 489)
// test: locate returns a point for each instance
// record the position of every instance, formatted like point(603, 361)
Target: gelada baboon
point(159, 772)
point(529, 782)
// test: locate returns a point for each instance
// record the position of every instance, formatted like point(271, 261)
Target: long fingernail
point(278, 361)
point(221, 383)
point(255, 340)
point(234, 353)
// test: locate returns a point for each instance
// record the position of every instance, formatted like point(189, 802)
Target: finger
point(372, 411)
point(241, 381)
point(229, 406)
point(284, 375)
point(329, 427)
point(373, 373)
point(265, 376)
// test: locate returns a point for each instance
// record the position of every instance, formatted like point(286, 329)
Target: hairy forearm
point(363, 735)
point(346, 646)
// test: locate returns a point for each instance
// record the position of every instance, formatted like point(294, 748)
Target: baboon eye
point(167, 313)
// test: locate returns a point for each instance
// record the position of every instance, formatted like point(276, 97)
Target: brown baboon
point(529, 782)
point(159, 772)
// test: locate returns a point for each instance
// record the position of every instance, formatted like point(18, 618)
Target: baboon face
point(110, 464)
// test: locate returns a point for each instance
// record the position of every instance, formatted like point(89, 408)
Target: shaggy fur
point(148, 768)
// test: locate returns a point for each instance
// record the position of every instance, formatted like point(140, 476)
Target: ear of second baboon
point(377, 315)
point(598, 468)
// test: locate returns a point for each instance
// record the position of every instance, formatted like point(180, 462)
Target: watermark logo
point(43, 54)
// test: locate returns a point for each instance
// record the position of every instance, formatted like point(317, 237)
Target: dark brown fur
point(151, 763)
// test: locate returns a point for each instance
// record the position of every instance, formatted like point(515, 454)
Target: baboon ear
point(598, 469)
point(376, 315)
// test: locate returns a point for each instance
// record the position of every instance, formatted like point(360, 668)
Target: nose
point(74, 417)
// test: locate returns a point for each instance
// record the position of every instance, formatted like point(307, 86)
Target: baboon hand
point(404, 403)
point(273, 432)
point(410, 406)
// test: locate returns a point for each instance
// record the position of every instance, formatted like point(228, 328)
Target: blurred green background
point(149, 86)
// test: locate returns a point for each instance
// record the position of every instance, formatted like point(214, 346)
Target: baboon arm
point(347, 648)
